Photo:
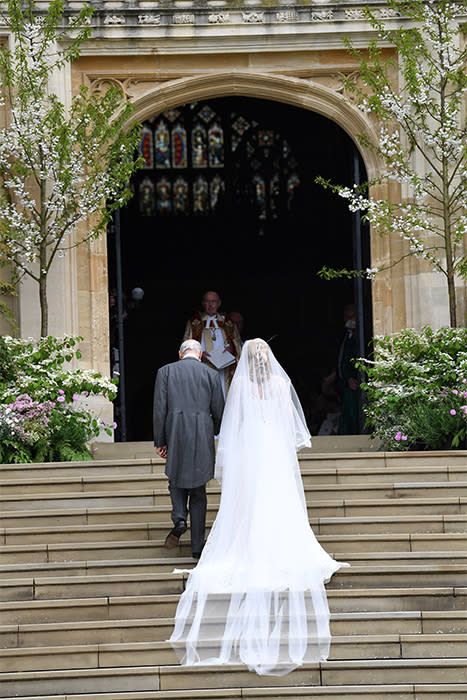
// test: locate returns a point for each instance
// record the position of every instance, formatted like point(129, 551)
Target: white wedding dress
point(257, 595)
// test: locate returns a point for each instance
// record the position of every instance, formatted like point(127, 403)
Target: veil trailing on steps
point(257, 595)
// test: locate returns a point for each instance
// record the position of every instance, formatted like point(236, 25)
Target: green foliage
point(63, 169)
point(417, 101)
point(40, 368)
point(416, 387)
point(44, 411)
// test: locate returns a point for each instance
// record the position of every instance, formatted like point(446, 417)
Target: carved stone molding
point(286, 16)
point(219, 18)
point(184, 18)
point(149, 19)
point(253, 17)
point(114, 19)
point(355, 13)
point(322, 16)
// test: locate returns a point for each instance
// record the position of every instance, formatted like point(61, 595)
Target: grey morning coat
point(188, 406)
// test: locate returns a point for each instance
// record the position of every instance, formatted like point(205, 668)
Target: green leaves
point(416, 99)
point(417, 385)
point(61, 167)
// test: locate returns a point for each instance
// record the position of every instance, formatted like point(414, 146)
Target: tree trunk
point(44, 306)
point(43, 291)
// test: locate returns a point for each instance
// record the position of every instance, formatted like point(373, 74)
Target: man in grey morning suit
point(188, 406)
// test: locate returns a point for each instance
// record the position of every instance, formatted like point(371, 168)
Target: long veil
point(257, 596)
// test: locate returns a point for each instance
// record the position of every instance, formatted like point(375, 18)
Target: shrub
point(416, 388)
point(43, 412)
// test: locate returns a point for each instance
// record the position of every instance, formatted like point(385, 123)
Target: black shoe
point(196, 555)
point(174, 535)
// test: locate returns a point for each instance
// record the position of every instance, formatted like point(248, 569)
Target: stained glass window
point(226, 160)
point(200, 195)
point(180, 196)
point(293, 182)
point(216, 146)
point(206, 114)
point(179, 159)
point(162, 147)
point(260, 195)
point(199, 147)
point(146, 197)
point(216, 190)
point(146, 147)
point(163, 196)
point(274, 195)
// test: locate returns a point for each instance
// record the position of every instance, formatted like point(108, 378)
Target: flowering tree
point(419, 100)
point(60, 165)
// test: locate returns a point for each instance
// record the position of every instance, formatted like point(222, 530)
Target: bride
point(257, 595)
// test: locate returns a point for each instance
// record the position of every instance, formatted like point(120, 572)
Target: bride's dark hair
point(259, 361)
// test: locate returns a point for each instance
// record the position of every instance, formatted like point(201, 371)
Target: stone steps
point(158, 629)
point(174, 677)
point(160, 653)
point(316, 495)
point(379, 573)
point(93, 512)
point(13, 482)
point(405, 528)
point(308, 460)
point(88, 592)
point(44, 608)
point(439, 691)
point(370, 547)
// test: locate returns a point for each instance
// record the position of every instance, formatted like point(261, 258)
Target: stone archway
point(310, 95)
point(157, 285)
point(277, 88)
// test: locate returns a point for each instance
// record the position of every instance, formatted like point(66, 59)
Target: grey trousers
point(191, 501)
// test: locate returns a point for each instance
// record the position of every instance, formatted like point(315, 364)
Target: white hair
point(190, 345)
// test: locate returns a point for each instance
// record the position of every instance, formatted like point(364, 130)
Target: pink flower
point(85, 393)
point(453, 411)
point(115, 425)
point(61, 399)
point(60, 391)
point(404, 437)
point(398, 435)
point(454, 391)
point(75, 397)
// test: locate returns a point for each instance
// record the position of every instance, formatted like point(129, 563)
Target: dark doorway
point(229, 203)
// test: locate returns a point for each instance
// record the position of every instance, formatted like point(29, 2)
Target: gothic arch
point(277, 88)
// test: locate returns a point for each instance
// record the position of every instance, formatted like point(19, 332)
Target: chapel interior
point(228, 202)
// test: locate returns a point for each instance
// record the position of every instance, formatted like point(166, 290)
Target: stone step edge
point(110, 510)
point(337, 692)
point(329, 489)
point(160, 475)
point(157, 543)
point(95, 564)
point(221, 668)
point(169, 621)
point(419, 638)
point(174, 597)
point(314, 522)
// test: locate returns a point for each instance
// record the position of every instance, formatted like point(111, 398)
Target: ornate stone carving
point(286, 16)
point(253, 17)
point(322, 16)
point(184, 19)
point(149, 19)
point(219, 18)
point(388, 13)
point(114, 19)
point(355, 13)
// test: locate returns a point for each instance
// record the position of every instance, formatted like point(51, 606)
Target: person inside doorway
point(215, 332)
point(347, 373)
